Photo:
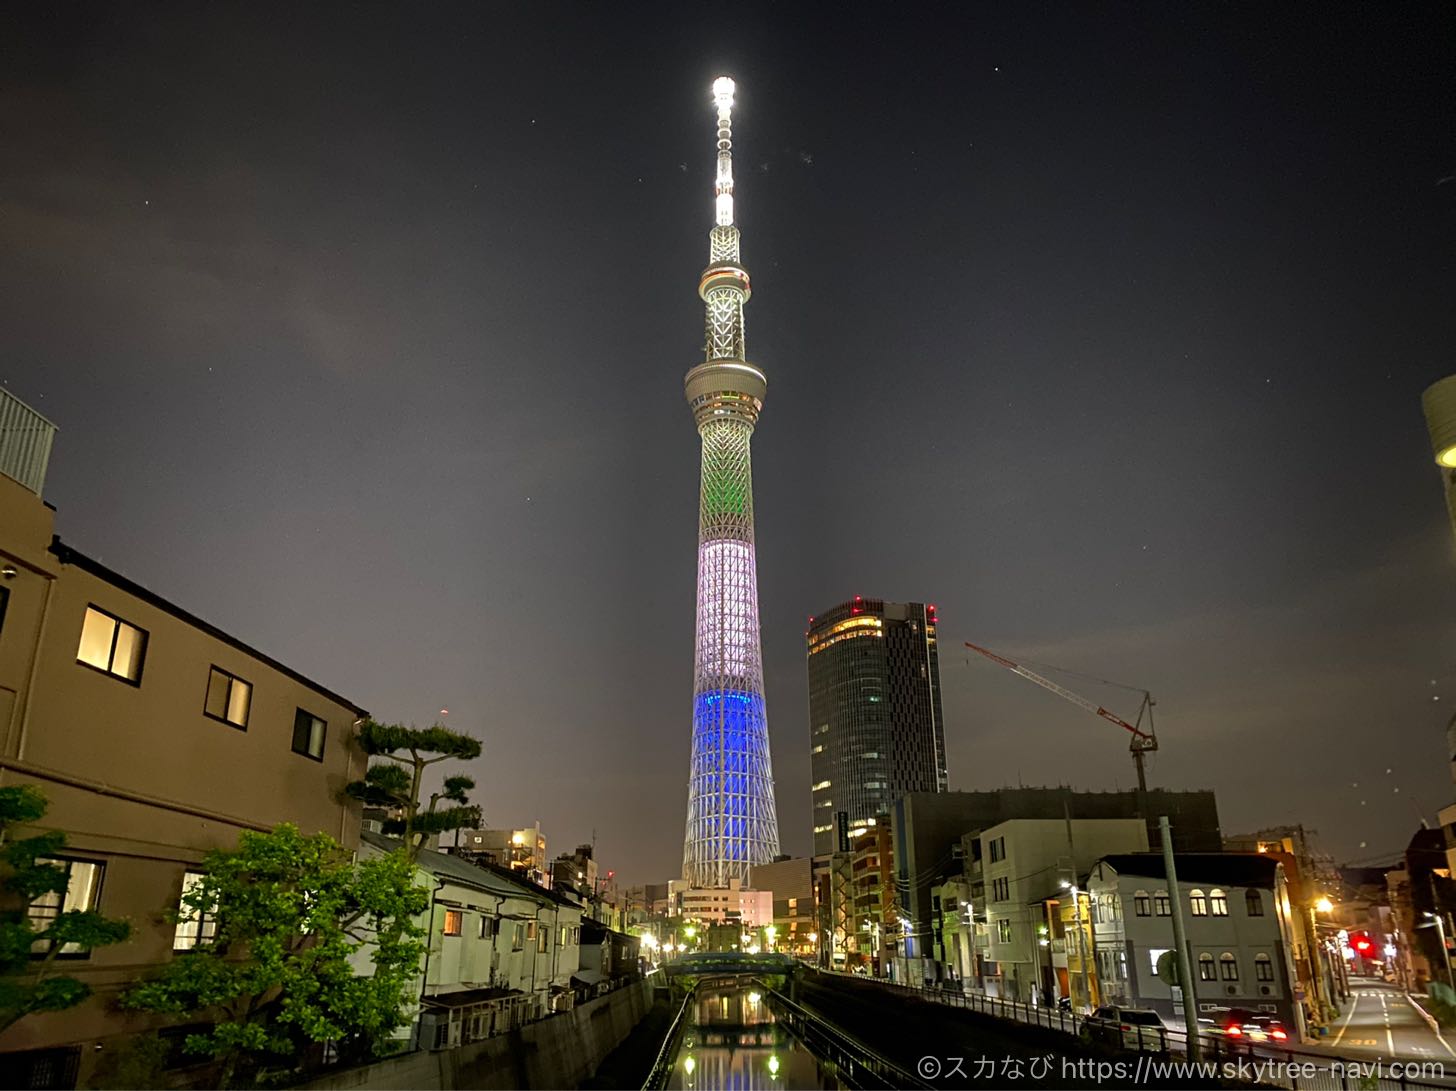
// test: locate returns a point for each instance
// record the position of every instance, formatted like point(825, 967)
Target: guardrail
point(662, 1066)
point(857, 1065)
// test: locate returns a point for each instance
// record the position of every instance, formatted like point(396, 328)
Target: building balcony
point(25, 442)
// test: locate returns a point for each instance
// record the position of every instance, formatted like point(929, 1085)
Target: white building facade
point(1239, 923)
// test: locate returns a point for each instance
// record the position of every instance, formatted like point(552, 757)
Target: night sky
point(1101, 328)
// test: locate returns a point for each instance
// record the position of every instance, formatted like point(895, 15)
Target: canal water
point(734, 1042)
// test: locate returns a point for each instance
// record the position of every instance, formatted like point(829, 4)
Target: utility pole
point(1180, 940)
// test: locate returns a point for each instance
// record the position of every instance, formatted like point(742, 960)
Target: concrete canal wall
point(559, 1052)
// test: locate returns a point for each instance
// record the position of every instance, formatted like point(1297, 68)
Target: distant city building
point(928, 827)
point(522, 849)
point(875, 727)
point(155, 737)
point(731, 904)
point(791, 882)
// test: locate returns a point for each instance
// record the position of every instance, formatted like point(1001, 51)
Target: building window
point(1197, 903)
point(308, 735)
point(1228, 966)
point(1205, 968)
point(1161, 906)
point(1142, 904)
point(83, 892)
point(112, 646)
point(543, 940)
point(485, 927)
point(1001, 890)
point(1003, 930)
point(1263, 968)
point(518, 938)
point(194, 925)
point(453, 920)
point(1218, 903)
point(228, 698)
point(998, 849)
point(1253, 903)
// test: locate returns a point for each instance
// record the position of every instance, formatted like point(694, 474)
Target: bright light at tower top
point(723, 88)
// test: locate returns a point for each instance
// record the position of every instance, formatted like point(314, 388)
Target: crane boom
point(1142, 741)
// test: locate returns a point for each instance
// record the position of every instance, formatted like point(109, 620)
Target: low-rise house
point(500, 951)
point(1239, 922)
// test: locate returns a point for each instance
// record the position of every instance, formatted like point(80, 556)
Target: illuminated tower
point(732, 824)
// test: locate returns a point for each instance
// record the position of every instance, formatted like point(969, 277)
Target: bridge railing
point(858, 1064)
point(662, 1066)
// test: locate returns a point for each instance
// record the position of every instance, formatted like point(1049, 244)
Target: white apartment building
point(751, 908)
point(1023, 862)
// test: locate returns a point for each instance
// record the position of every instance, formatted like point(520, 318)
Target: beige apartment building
point(154, 735)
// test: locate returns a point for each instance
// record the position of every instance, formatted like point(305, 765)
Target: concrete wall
point(558, 1052)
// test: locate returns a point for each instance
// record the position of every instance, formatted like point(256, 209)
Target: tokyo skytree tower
point(732, 823)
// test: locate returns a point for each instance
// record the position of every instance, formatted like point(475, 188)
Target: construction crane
point(1143, 742)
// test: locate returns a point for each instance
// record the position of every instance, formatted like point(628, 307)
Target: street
point(1382, 1021)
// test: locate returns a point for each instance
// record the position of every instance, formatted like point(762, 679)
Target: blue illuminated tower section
point(732, 823)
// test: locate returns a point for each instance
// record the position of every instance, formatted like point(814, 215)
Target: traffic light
point(1362, 944)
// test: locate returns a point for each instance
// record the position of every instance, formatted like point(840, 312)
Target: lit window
point(1142, 904)
point(1263, 968)
point(1162, 907)
point(1205, 968)
point(228, 698)
point(1197, 903)
point(308, 735)
point(1218, 903)
point(1228, 966)
point(194, 925)
point(453, 921)
point(818, 749)
point(820, 786)
point(83, 892)
point(112, 646)
point(1003, 930)
point(543, 940)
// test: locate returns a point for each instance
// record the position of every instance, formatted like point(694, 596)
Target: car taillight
point(1280, 1035)
point(1126, 1027)
point(1234, 1032)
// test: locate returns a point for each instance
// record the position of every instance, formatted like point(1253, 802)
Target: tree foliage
point(29, 984)
point(297, 920)
point(396, 786)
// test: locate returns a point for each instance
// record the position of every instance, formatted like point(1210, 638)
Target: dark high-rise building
point(875, 729)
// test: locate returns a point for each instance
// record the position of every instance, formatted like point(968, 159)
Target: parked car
point(1126, 1028)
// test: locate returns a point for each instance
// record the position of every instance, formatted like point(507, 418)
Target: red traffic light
point(1362, 944)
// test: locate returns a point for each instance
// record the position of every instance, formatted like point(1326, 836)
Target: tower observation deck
point(732, 822)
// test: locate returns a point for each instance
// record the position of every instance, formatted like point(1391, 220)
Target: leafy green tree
point(296, 918)
point(29, 984)
point(397, 786)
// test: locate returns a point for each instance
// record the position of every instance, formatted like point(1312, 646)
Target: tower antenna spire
point(723, 88)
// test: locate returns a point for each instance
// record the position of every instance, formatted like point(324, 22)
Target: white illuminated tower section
point(732, 824)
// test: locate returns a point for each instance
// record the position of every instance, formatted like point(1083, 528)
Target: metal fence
point(1156, 1055)
point(25, 442)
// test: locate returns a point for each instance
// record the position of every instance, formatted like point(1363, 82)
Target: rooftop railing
point(25, 442)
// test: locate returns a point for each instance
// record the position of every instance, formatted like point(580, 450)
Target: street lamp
point(1441, 934)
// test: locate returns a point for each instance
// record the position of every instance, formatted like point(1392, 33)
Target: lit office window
point(228, 698)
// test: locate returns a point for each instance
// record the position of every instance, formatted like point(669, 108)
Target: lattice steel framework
point(732, 822)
